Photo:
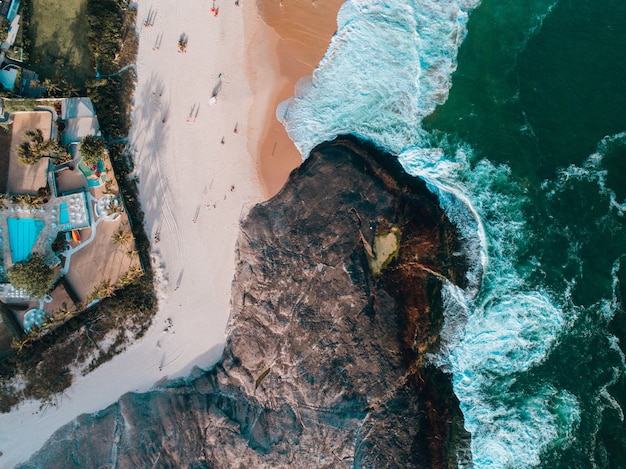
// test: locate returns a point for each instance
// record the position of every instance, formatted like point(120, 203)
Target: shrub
point(91, 148)
point(32, 275)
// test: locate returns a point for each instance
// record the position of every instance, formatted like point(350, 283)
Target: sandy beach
point(295, 42)
point(207, 147)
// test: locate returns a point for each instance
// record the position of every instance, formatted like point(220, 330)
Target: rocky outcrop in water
point(324, 364)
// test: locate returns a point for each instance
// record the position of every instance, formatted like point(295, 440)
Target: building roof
point(72, 108)
point(27, 179)
point(8, 8)
point(78, 128)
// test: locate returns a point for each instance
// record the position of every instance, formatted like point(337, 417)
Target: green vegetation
point(121, 237)
point(15, 105)
point(113, 44)
point(385, 249)
point(59, 49)
point(4, 29)
point(91, 148)
point(35, 148)
point(40, 368)
point(32, 275)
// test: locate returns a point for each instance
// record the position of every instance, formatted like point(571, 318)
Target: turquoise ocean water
point(515, 114)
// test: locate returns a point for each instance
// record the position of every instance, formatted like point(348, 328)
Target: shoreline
point(294, 48)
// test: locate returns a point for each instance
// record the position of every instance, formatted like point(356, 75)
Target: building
point(80, 120)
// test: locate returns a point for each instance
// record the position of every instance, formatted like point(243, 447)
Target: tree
point(114, 206)
point(92, 149)
point(32, 275)
point(25, 154)
point(27, 200)
point(120, 237)
point(35, 147)
point(4, 29)
point(52, 87)
point(102, 290)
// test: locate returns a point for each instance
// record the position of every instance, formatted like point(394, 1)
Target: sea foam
point(387, 67)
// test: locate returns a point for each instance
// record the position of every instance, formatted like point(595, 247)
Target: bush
point(4, 29)
point(91, 148)
point(32, 275)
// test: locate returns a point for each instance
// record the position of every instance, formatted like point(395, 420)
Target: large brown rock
point(324, 364)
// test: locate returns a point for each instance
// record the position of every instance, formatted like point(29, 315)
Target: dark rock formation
point(324, 364)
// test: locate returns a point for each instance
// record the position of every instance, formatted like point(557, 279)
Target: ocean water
point(514, 112)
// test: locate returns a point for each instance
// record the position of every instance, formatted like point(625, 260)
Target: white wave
point(593, 171)
point(387, 67)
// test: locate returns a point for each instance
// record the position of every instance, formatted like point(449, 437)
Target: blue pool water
point(23, 233)
point(64, 216)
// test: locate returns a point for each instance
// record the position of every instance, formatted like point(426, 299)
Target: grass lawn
point(58, 31)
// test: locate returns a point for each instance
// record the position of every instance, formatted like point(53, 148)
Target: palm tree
point(29, 201)
point(35, 136)
point(68, 88)
point(35, 147)
point(52, 88)
point(108, 187)
point(20, 344)
point(102, 290)
point(114, 207)
point(120, 237)
point(25, 154)
point(136, 271)
point(63, 312)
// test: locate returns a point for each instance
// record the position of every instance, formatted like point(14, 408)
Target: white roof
point(72, 108)
point(78, 128)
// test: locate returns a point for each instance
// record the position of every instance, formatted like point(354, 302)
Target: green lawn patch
point(59, 41)
point(385, 249)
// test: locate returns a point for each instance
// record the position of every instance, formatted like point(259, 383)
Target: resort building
point(55, 210)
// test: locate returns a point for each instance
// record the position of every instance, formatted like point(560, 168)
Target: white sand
point(186, 178)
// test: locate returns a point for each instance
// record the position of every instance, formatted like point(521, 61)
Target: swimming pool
point(64, 215)
point(23, 233)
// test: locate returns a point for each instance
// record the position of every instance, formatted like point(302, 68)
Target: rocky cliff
point(324, 363)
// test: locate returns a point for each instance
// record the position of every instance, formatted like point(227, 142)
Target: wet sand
point(294, 41)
